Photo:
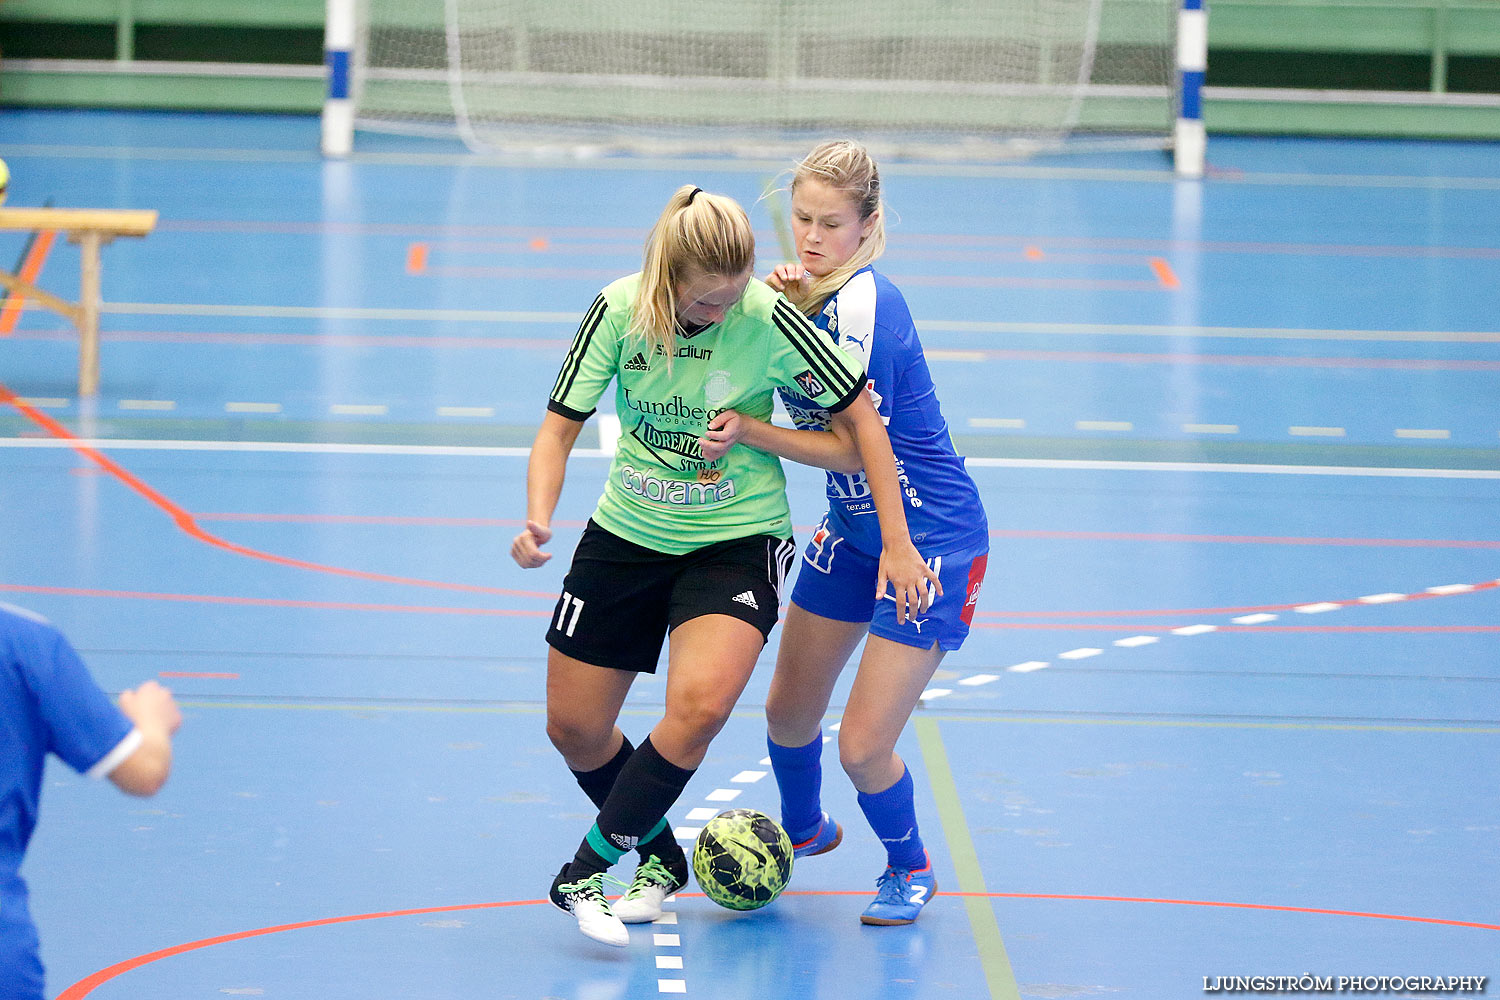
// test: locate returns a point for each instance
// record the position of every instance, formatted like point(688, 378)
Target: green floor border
point(998, 974)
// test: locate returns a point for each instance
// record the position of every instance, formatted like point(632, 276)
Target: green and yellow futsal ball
point(743, 859)
point(4, 180)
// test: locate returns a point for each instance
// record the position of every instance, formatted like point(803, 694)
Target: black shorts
point(620, 599)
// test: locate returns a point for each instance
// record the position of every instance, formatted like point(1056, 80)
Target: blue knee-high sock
point(893, 816)
point(799, 775)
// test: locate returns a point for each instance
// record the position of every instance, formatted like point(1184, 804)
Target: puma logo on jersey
point(747, 599)
point(638, 363)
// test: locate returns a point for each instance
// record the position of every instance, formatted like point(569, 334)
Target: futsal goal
point(952, 79)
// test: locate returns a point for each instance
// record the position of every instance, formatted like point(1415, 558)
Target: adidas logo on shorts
point(638, 363)
point(747, 598)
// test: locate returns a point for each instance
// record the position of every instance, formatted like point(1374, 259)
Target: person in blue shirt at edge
point(49, 703)
point(838, 227)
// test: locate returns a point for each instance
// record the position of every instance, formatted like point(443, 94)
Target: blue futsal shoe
point(900, 894)
point(828, 836)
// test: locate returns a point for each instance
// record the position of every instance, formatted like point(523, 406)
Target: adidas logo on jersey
point(747, 598)
point(638, 363)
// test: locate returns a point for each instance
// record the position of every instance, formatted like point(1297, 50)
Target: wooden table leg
point(88, 314)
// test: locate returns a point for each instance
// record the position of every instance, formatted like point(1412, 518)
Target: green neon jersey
point(660, 492)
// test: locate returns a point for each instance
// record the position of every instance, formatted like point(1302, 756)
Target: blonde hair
point(847, 166)
point(697, 232)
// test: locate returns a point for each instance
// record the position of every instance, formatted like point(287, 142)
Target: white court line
point(1381, 598)
point(1316, 609)
point(667, 917)
point(932, 693)
point(1451, 588)
point(723, 794)
point(1028, 667)
point(252, 407)
point(147, 404)
point(687, 832)
point(609, 432)
point(1079, 654)
point(1195, 630)
point(669, 961)
point(359, 409)
point(666, 940)
point(979, 679)
point(478, 451)
point(671, 986)
point(1257, 619)
point(701, 813)
point(1137, 640)
point(745, 777)
point(466, 411)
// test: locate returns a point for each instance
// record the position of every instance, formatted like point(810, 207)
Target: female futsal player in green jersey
point(680, 545)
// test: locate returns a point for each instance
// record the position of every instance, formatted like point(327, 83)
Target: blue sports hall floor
point(1231, 708)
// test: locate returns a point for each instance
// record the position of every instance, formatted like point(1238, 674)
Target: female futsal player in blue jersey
point(838, 227)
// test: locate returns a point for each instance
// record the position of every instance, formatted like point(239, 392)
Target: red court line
point(1176, 612)
point(30, 269)
point(88, 984)
point(189, 526)
point(1129, 536)
point(416, 258)
point(1164, 273)
point(272, 602)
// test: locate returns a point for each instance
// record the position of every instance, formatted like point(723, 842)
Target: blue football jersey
point(49, 703)
point(868, 318)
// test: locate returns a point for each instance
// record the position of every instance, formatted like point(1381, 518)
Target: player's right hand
point(787, 275)
point(526, 550)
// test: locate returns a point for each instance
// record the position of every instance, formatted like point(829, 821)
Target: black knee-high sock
point(646, 787)
point(596, 784)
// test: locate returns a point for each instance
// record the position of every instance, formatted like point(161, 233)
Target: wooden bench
point(90, 229)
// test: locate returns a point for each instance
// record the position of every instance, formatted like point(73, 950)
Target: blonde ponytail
point(697, 231)
point(847, 166)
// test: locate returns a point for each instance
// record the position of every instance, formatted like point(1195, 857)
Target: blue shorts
point(838, 581)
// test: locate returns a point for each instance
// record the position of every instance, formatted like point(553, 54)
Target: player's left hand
point(913, 584)
point(722, 433)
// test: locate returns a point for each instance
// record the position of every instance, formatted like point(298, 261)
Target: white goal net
point(948, 78)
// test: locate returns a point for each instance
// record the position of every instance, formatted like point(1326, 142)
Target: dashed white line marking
point(1027, 667)
point(932, 693)
point(466, 411)
point(1316, 609)
point(669, 961)
point(147, 404)
point(1451, 588)
point(1211, 428)
point(45, 402)
point(1382, 598)
point(609, 432)
point(745, 777)
point(1079, 654)
point(1137, 640)
point(724, 794)
point(765, 762)
point(1299, 431)
point(668, 916)
point(687, 832)
point(1423, 434)
point(1195, 630)
point(1006, 423)
point(666, 940)
point(1257, 619)
point(671, 986)
point(252, 407)
point(702, 813)
point(979, 679)
point(946, 355)
point(835, 727)
point(1103, 425)
point(359, 409)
